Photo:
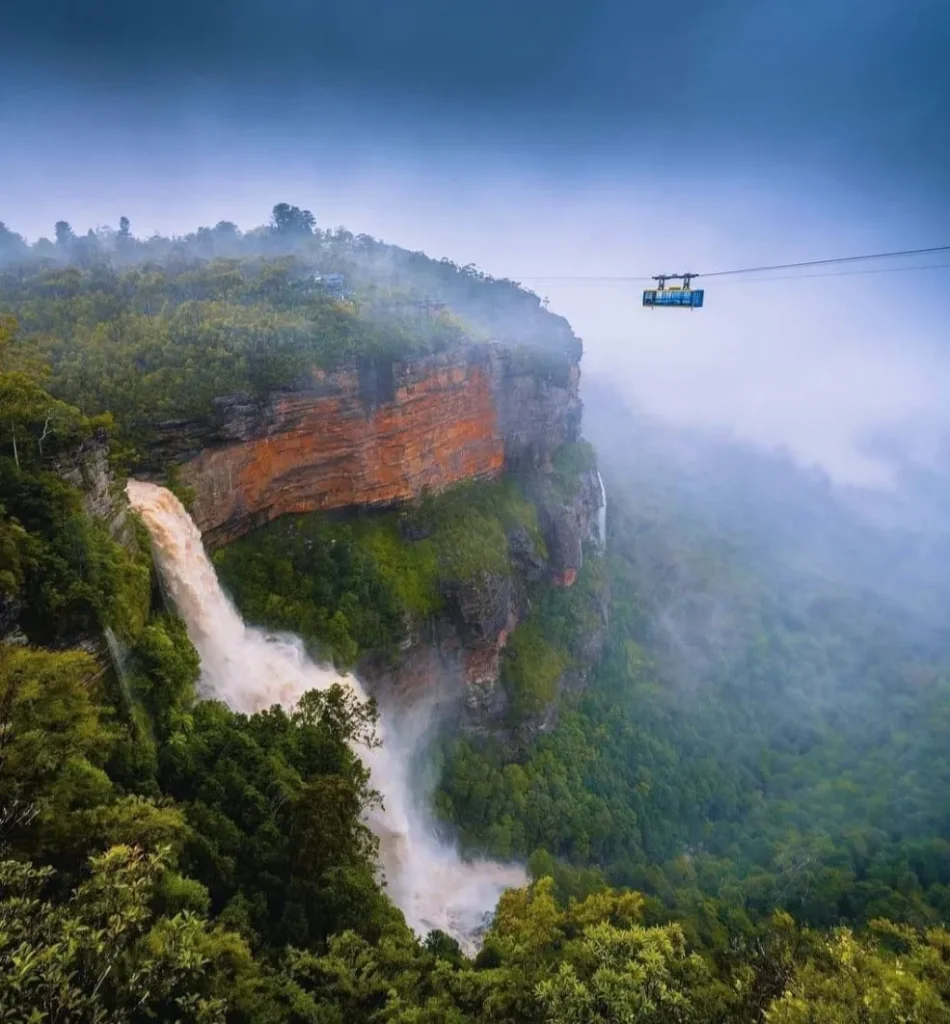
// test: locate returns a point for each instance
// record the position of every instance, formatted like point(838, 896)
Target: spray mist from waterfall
point(251, 670)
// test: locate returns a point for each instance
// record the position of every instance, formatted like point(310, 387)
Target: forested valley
point(744, 817)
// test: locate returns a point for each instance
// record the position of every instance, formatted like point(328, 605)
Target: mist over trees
point(397, 280)
point(743, 819)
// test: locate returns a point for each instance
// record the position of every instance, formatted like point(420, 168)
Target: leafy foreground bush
point(105, 955)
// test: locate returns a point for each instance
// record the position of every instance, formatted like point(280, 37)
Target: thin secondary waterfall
point(602, 513)
point(119, 655)
point(251, 669)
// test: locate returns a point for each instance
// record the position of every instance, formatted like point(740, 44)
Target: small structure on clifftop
point(335, 284)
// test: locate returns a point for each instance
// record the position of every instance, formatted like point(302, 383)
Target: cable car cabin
point(684, 298)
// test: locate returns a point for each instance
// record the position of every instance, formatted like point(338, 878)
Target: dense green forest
point(805, 771)
point(769, 724)
point(744, 818)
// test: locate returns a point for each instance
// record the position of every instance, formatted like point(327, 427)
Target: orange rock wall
point(326, 451)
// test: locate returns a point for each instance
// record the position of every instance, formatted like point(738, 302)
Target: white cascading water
point(118, 653)
point(602, 513)
point(251, 669)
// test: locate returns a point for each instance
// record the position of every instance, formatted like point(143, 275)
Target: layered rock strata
point(381, 433)
point(371, 435)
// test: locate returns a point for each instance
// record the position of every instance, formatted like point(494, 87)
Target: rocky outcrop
point(371, 435)
point(88, 470)
point(568, 513)
point(457, 658)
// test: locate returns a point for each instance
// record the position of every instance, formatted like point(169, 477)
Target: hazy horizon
point(542, 143)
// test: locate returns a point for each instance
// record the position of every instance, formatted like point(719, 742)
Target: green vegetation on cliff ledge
point(567, 465)
point(531, 669)
point(353, 586)
point(550, 641)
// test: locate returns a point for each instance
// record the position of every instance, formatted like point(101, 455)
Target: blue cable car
point(679, 296)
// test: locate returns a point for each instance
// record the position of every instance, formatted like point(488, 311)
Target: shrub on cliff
point(468, 524)
point(72, 578)
point(531, 668)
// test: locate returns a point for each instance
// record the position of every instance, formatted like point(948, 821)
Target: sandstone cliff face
point(371, 435)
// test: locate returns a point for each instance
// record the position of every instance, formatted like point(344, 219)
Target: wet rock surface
point(567, 520)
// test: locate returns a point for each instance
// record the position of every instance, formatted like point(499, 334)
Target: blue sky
point(543, 138)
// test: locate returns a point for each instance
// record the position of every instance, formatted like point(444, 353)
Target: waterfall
point(119, 654)
point(602, 514)
point(251, 669)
